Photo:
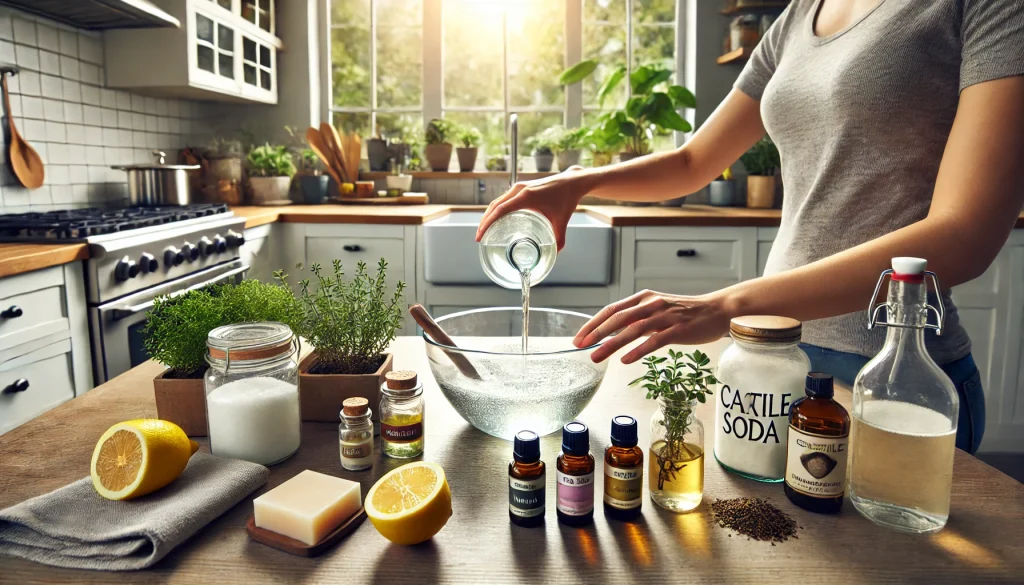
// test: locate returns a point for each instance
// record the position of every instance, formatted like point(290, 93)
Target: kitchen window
point(394, 64)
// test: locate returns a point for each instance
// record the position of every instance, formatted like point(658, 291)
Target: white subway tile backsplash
point(80, 192)
point(92, 115)
point(48, 38)
point(90, 95)
point(72, 91)
point(52, 86)
point(61, 193)
point(49, 63)
point(124, 119)
point(90, 48)
point(94, 156)
point(124, 100)
point(24, 31)
point(124, 137)
point(108, 98)
point(139, 139)
point(53, 110)
point(27, 57)
point(6, 31)
point(138, 103)
point(26, 83)
point(76, 134)
point(57, 174)
point(69, 68)
point(78, 173)
point(93, 136)
point(15, 107)
point(138, 121)
point(35, 130)
point(150, 105)
point(74, 113)
point(7, 51)
point(15, 196)
point(152, 124)
point(68, 42)
point(40, 196)
point(108, 118)
point(76, 153)
point(56, 132)
point(164, 125)
point(60, 154)
point(110, 137)
point(90, 74)
point(31, 108)
point(97, 174)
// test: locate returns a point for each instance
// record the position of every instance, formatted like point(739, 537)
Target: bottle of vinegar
point(522, 242)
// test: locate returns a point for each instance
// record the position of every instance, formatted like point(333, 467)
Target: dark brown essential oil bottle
point(623, 471)
point(819, 433)
point(526, 481)
point(575, 470)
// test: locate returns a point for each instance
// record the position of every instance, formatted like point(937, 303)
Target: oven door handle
point(123, 312)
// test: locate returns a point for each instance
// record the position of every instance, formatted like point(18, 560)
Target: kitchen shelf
point(369, 176)
point(750, 8)
point(738, 56)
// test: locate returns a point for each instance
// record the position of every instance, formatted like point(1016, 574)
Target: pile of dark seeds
point(754, 518)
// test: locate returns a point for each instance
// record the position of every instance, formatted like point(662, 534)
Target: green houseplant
point(438, 151)
point(542, 146)
point(567, 144)
point(350, 322)
point(761, 162)
point(604, 142)
point(469, 145)
point(312, 182)
point(270, 173)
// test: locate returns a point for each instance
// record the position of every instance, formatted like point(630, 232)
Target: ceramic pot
point(722, 193)
point(602, 159)
point(224, 169)
point(401, 182)
point(313, 188)
point(268, 189)
point(439, 156)
point(181, 401)
point(378, 153)
point(467, 159)
point(567, 158)
point(543, 162)
point(761, 191)
point(321, 395)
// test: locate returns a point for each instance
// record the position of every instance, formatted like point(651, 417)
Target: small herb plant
point(270, 161)
point(440, 131)
point(224, 148)
point(679, 385)
point(469, 138)
point(541, 143)
point(762, 159)
point(309, 162)
point(349, 322)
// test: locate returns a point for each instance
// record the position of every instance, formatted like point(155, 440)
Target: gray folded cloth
point(76, 528)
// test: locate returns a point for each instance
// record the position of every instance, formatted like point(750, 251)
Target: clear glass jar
point(355, 434)
point(760, 375)
point(401, 419)
point(252, 392)
point(675, 474)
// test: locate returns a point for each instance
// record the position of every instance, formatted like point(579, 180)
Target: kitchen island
point(984, 540)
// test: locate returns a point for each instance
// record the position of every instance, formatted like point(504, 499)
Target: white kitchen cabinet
point(33, 383)
point(225, 50)
point(765, 239)
point(259, 253)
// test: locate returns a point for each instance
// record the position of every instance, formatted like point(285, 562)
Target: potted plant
point(270, 173)
point(541, 146)
point(469, 141)
point(350, 322)
point(439, 150)
point(604, 142)
point(761, 162)
point(312, 182)
point(222, 171)
point(567, 143)
point(723, 190)
point(175, 335)
point(497, 163)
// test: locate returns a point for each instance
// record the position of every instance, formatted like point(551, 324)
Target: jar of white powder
point(760, 375)
point(252, 392)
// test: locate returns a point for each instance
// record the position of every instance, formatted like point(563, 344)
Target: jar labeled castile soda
point(760, 376)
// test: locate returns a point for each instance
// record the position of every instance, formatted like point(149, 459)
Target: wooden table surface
point(19, 258)
point(984, 540)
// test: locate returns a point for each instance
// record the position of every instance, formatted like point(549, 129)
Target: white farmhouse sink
point(451, 254)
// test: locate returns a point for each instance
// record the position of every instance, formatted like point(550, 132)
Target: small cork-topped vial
point(355, 434)
point(401, 415)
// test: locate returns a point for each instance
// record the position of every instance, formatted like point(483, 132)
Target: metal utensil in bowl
point(158, 183)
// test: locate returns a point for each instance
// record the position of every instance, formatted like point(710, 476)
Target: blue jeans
point(970, 427)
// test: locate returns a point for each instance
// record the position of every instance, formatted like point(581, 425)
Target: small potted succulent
point(270, 173)
point(312, 182)
point(175, 335)
point(761, 162)
point(350, 322)
point(439, 148)
point(469, 145)
point(541, 145)
point(567, 145)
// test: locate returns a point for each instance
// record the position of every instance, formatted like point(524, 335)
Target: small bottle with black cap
point(819, 434)
point(527, 481)
point(623, 471)
point(575, 473)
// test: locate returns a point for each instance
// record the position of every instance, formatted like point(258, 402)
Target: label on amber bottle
point(526, 496)
point(401, 433)
point(623, 487)
point(816, 465)
point(575, 494)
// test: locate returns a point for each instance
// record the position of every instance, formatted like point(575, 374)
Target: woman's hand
point(667, 319)
point(556, 197)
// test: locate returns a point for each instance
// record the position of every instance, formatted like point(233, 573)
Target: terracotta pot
point(379, 154)
point(321, 395)
point(761, 191)
point(439, 156)
point(567, 158)
point(543, 162)
point(182, 402)
point(467, 159)
point(267, 189)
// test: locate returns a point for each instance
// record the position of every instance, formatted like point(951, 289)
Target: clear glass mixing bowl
point(500, 391)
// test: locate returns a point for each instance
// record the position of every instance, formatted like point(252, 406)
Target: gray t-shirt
point(861, 118)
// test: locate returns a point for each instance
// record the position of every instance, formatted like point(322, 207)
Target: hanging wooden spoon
point(330, 134)
point(316, 144)
point(25, 161)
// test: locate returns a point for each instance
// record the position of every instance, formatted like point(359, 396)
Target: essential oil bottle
point(526, 481)
point(623, 471)
point(819, 434)
point(575, 470)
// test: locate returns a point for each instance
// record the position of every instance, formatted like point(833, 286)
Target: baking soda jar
point(760, 375)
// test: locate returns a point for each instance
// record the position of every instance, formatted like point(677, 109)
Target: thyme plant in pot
point(469, 146)
point(175, 335)
point(541, 146)
point(439, 148)
point(761, 162)
point(676, 459)
point(270, 173)
point(350, 322)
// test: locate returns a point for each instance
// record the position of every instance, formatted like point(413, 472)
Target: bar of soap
point(308, 506)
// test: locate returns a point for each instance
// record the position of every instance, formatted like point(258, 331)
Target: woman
point(901, 130)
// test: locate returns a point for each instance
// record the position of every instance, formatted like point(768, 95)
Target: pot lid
point(159, 164)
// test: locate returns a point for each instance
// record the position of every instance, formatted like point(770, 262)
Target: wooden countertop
point(19, 258)
point(984, 540)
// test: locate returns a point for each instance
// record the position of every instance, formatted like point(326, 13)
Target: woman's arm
point(977, 199)
point(733, 127)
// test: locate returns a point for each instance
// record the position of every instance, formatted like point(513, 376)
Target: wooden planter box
point(182, 402)
point(321, 395)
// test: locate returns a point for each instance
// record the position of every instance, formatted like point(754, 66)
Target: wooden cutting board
point(416, 199)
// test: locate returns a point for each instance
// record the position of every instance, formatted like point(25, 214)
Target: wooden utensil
point(317, 145)
point(25, 161)
point(424, 320)
point(353, 147)
point(330, 134)
point(297, 547)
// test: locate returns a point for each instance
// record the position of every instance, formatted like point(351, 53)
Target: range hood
point(98, 14)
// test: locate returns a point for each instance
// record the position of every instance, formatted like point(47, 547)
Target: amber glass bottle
point(819, 433)
point(623, 471)
point(526, 481)
point(575, 470)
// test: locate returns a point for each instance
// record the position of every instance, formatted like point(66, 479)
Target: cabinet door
point(34, 383)
point(257, 253)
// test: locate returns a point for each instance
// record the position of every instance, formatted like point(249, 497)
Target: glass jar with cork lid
point(355, 434)
point(252, 392)
point(759, 375)
point(401, 415)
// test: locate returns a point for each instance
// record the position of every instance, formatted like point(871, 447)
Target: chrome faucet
point(513, 123)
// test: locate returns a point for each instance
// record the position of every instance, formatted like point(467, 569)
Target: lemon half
point(138, 457)
point(410, 504)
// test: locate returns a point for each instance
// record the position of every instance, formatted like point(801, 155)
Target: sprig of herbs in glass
point(679, 385)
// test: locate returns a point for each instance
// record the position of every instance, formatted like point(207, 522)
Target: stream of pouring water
point(525, 276)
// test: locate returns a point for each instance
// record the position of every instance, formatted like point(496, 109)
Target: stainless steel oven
point(117, 326)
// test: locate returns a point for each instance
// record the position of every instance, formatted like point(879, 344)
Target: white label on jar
point(752, 428)
point(816, 465)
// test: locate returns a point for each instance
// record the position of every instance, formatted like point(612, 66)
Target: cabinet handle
point(12, 312)
point(686, 253)
point(352, 248)
point(18, 386)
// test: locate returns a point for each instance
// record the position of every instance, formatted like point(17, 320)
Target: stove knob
point(235, 239)
point(126, 269)
point(148, 263)
point(173, 256)
point(191, 252)
point(206, 246)
point(220, 244)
